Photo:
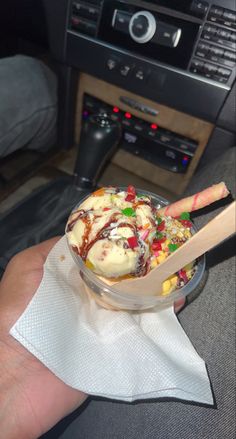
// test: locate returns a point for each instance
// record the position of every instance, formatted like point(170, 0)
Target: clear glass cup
point(109, 297)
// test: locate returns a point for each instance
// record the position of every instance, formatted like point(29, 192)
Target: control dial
point(142, 26)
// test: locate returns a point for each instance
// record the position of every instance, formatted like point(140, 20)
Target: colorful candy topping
point(128, 211)
point(132, 241)
point(131, 193)
point(185, 216)
point(173, 247)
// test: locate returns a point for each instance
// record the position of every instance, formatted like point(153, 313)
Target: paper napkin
point(125, 355)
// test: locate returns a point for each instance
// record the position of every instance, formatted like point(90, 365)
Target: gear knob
point(99, 138)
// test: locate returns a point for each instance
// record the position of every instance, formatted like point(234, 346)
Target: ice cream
point(116, 234)
point(119, 233)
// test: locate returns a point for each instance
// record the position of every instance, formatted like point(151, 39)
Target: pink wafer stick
point(197, 201)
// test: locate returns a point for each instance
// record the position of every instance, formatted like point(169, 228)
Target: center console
point(165, 69)
point(158, 143)
point(168, 50)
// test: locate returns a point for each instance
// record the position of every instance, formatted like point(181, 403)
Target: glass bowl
point(109, 297)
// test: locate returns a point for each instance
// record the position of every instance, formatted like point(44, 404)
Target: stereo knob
point(142, 26)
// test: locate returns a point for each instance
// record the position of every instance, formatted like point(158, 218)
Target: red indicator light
point(154, 126)
point(185, 158)
point(116, 110)
point(128, 115)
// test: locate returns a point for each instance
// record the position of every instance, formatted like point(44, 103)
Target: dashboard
point(178, 53)
point(164, 68)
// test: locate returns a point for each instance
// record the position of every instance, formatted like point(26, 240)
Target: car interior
point(146, 96)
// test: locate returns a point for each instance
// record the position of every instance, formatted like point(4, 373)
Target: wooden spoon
point(218, 229)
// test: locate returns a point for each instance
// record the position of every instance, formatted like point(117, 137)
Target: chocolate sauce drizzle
point(142, 266)
point(71, 223)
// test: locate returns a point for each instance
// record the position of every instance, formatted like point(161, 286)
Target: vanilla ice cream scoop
point(120, 233)
point(107, 231)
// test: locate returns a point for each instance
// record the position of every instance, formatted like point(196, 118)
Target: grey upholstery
point(209, 322)
point(28, 107)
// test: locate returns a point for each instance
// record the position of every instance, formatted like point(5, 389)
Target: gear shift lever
point(99, 138)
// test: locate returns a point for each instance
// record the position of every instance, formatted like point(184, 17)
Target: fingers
point(45, 247)
point(37, 253)
point(179, 304)
point(30, 259)
point(22, 278)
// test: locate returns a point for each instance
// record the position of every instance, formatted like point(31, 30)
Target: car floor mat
point(41, 215)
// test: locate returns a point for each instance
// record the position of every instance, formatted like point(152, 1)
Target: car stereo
point(179, 53)
point(188, 35)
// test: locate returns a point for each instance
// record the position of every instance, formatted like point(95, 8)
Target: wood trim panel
point(168, 118)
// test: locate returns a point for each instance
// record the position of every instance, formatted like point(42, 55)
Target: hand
point(32, 399)
point(179, 304)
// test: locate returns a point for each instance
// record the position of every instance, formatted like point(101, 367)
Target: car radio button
point(164, 137)
point(139, 127)
point(167, 35)
point(225, 73)
point(209, 32)
point(84, 26)
point(208, 28)
point(127, 123)
point(229, 58)
point(85, 11)
point(223, 33)
point(206, 36)
point(202, 49)
point(196, 66)
point(112, 64)
point(142, 26)
point(141, 74)
point(216, 14)
point(216, 11)
point(121, 21)
point(227, 63)
point(230, 55)
point(185, 145)
point(209, 69)
point(199, 7)
point(125, 69)
point(229, 16)
point(232, 37)
point(151, 133)
point(215, 53)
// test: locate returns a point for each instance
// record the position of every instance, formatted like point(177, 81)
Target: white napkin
point(120, 355)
